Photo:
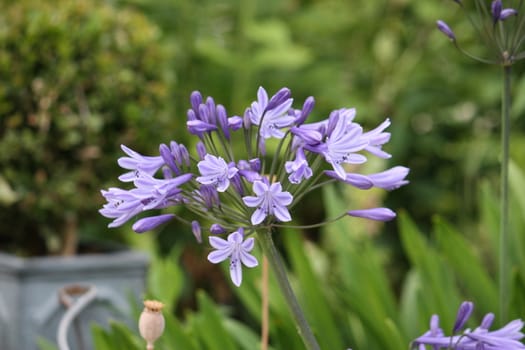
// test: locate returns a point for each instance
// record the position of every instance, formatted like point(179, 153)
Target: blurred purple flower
point(378, 214)
point(508, 337)
point(390, 179)
point(445, 29)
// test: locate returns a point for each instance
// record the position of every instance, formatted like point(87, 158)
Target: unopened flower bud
point(151, 322)
point(445, 29)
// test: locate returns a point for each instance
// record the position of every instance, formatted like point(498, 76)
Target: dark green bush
point(77, 79)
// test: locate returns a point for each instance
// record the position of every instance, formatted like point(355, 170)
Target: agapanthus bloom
point(231, 187)
point(508, 337)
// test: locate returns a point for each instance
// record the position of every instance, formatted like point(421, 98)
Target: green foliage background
point(78, 79)
point(133, 65)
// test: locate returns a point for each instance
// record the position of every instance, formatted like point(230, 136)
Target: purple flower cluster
point(481, 338)
point(234, 186)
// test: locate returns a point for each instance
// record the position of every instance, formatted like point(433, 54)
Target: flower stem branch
point(276, 263)
point(504, 204)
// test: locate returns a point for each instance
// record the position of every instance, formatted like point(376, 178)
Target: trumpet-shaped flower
point(269, 200)
point(215, 171)
point(271, 118)
point(343, 143)
point(298, 169)
point(237, 250)
point(138, 163)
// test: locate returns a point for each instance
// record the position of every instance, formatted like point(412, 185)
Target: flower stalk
point(277, 265)
point(504, 263)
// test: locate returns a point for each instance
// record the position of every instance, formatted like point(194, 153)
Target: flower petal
point(236, 270)
point(218, 256)
point(258, 216)
point(248, 260)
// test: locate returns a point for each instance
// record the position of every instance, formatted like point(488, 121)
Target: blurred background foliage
point(80, 78)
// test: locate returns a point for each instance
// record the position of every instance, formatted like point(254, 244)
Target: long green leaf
point(468, 267)
point(439, 287)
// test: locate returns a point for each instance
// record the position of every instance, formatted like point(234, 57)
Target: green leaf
point(166, 279)
point(438, 282)
point(175, 336)
point(210, 326)
point(123, 337)
point(467, 266)
point(101, 340)
point(242, 334)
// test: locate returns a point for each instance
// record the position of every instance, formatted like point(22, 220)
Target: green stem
point(303, 328)
point(504, 296)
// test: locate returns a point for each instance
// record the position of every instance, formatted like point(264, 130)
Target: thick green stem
point(504, 283)
point(303, 328)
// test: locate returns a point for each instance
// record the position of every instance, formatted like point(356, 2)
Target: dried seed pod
point(151, 322)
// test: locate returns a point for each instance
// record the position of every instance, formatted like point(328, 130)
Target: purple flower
point(506, 337)
point(279, 98)
point(207, 196)
point(270, 121)
point(160, 193)
point(198, 127)
point(378, 214)
point(121, 205)
point(308, 135)
point(235, 123)
point(445, 29)
point(390, 179)
point(496, 8)
point(377, 138)
point(138, 164)
point(150, 223)
point(357, 180)
point(201, 150)
point(345, 139)
point(269, 200)
point(298, 169)
point(235, 249)
point(216, 229)
point(506, 13)
point(464, 312)
point(196, 229)
point(308, 105)
point(215, 171)
point(222, 119)
point(169, 159)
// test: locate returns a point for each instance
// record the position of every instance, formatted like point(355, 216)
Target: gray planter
point(29, 295)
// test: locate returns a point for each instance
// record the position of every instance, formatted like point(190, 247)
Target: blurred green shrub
point(77, 79)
